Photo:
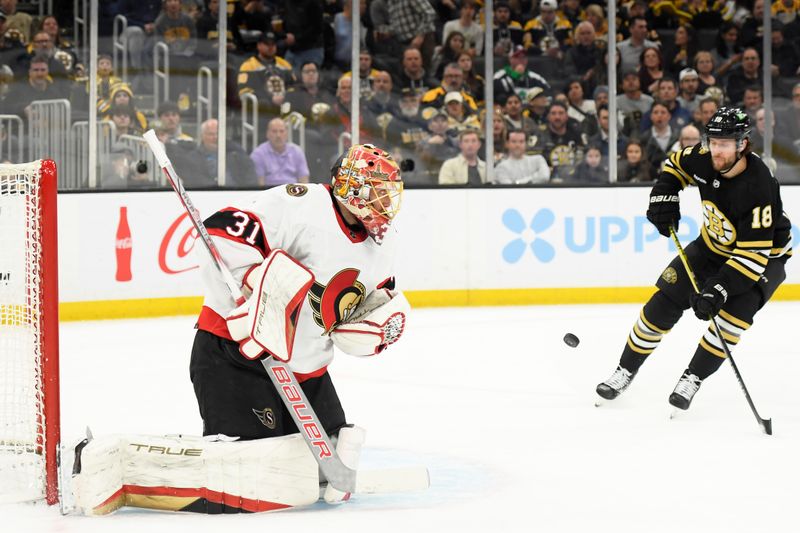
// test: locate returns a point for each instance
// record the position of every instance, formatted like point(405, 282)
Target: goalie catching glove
point(267, 321)
point(376, 323)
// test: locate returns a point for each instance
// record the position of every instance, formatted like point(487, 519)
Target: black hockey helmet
point(729, 123)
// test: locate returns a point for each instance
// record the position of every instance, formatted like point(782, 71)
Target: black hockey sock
point(704, 363)
point(630, 360)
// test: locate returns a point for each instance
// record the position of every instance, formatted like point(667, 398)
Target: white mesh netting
point(22, 436)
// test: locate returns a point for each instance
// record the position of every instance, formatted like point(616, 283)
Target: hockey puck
point(571, 340)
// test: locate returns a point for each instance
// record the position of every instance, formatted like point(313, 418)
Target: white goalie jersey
point(303, 221)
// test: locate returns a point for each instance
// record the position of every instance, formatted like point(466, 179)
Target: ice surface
point(502, 412)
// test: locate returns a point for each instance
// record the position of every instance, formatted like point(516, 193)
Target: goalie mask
point(366, 180)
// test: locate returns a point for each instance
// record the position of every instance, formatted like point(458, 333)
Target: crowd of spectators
point(422, 93)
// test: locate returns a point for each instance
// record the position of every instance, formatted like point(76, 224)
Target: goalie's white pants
point(195, 474)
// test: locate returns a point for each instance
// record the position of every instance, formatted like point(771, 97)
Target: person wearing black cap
point(263, 65)
point(738, 259)
point(170, 117)
point(507, 33)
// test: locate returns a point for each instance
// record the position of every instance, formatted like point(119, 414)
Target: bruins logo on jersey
point(334, 302)
point(295, 189)
point(717, 224)
point(670, 275)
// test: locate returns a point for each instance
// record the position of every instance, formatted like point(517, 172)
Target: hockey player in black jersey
point(739, 257)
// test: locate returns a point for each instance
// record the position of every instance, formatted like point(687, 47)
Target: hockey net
point(29, 397)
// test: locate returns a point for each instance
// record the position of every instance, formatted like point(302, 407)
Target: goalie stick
point(340, 476)
point(765, 423)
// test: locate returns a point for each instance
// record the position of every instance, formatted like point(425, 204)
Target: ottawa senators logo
point(335, 302)
point(295, 189)
point(266, 416)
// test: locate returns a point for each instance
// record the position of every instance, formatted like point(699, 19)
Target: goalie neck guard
point(366, 181)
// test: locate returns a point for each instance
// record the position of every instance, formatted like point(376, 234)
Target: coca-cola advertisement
point(124, 247)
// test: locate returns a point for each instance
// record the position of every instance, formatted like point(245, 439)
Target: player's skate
point(616, 384)
point(685, 390)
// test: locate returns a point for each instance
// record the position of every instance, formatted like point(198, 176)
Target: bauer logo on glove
point(378, 322)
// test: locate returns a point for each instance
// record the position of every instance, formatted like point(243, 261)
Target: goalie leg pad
point(348, 447)
point(194, 474)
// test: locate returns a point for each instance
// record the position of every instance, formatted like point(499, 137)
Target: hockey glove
point(665, 208)
point(376, 323)
point(709, 300)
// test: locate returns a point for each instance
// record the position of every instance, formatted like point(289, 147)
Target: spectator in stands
point(633, 167)
point(499, 134)
point(631, 49)
point(577, 106)
point(278, 161)
point(459, 117)
point(593, 168)
point(57, 61)
point(689, 136)
point(405, 127)
point(266, 75)
point(366, 73)
point(448, 53)
point(515, 118)
point(785, 11)
point(518, 168)
point(303, 20)
point(658, 138)
point(471, 32)
point(208, 33)
point(169, 116)
point(11, 46)
point(412, 75)
point(254, 18)
point(668, 95)
point(507, 33)
point(785, 153)
point(633, 103)
point(597, 18)
point(583, 57)
point(683, 51)
point(309, 92)
point(343, 30)
point(549, 32)
point(753, 26)
point(590, 125)
point(120, 171)
point(383, 42)
point(437, 147)
point(516, 78)
point(689, 81)
point(39, 86)
point(73, 65)
point(600, 139)
point(17, 21)
point(791, 118)
point(704, 66)
point(466, 168)
point(705, 110)
point(121, 95)
point(727, 53)
point(537, 102)
point(105, 81)
point(651, 70)
point(178, 31)
point(453, 81)
point(138, 37)
point(412, 23)
point(123, 118)
point(752, 101)
point(573, 12)
point(785, 55)
point(239, 168)
point(473, 82)
point(561, 145)
point(747, 75)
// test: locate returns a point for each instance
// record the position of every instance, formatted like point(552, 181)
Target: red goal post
point(29, 376)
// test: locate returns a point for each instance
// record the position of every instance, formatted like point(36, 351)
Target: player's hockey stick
point(766, 424)
point(340, 476)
